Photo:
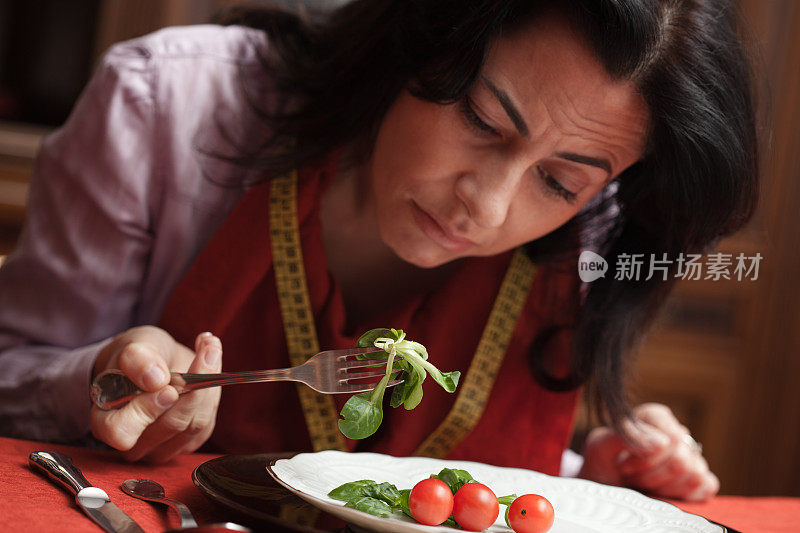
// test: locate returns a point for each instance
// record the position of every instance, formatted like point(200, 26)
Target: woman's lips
point(437, 233)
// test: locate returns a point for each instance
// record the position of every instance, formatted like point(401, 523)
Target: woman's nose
point(488, 195)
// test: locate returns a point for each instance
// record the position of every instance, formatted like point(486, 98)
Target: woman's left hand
point(660, 458)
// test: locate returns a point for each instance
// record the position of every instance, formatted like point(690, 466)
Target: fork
point(328, 372)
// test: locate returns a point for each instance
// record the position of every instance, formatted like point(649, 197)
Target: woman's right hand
point(158, 424)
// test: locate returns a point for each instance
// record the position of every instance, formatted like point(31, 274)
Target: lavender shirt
point(121, 202)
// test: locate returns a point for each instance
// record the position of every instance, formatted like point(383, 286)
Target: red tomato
point(475, 507)
point(430, 502)
point(531, 513)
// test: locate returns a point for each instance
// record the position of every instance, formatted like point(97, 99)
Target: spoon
point(146, 489)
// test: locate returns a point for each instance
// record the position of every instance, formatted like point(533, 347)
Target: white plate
point(580, 505)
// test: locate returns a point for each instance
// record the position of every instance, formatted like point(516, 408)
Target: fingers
point(651, 449)
point(705, 491)
point(644, 439)
point(692, 486)
point(145, 364)
point(606, 450)
point(653, 454)
point(192, 437)
point(660, 416)
point(656, 435)
point(668, 467)
point(190, 421)
point(676, 469)
point(143, 354)
point(121, 428)
point(684, 476)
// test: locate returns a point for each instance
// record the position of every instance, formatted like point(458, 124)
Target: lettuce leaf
point(362, 414)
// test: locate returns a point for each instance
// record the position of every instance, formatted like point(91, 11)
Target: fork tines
point(361, 363)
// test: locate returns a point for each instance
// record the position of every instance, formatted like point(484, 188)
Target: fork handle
point(112, 389)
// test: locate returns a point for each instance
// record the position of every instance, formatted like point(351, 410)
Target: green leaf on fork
point(363, 413)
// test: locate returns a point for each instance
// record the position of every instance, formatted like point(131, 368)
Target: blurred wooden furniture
point(18, 146)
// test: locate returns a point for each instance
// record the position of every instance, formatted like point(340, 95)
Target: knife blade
point(94, 501)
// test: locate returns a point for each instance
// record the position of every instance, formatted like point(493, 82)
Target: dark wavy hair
point(697, 181)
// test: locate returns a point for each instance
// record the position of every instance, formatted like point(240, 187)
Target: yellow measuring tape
point(474, 390)
point(298, 319)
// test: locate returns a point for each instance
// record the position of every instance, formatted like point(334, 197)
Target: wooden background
point(725, 353)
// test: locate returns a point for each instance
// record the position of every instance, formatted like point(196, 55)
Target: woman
point(432, 139)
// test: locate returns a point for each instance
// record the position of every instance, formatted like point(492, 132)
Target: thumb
point(601, 454)
point(606, 443)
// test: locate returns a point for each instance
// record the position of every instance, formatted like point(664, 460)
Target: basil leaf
point(372, 506)
point(409, 393)
point(360, 416)
point(399, 392)
point(385, 492)
point(403, 505)
point(352, 490)
point(414, 395)
point(454, 478)
point(448, 380)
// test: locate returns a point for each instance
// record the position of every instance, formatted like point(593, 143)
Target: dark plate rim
point(244, 510)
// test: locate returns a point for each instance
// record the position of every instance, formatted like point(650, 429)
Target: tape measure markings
point(319, 410)
point(476, 386)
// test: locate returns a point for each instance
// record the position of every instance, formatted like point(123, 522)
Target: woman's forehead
point(550, 71)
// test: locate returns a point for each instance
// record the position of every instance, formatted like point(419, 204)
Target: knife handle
point(60, 468)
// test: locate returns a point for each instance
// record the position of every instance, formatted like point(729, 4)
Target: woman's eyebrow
point(522, 128)
point(509, 107)
point(586, 160)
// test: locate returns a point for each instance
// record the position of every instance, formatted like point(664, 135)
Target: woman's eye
point(472, 118)
point(553, 187)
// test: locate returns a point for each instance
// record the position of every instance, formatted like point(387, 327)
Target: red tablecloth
point(31, 502)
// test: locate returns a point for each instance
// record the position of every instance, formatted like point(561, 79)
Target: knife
point(94, 501)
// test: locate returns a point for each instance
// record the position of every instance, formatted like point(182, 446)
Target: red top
point(231, 291)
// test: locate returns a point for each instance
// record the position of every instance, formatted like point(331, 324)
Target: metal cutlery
point(328, 372)
point(94, 501)
point(149, 490)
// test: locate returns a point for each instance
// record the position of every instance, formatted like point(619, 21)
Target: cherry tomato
point(531, 513)
point(430, 502)
point(475, 507)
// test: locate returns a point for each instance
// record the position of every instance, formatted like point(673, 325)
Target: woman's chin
point(424, 257)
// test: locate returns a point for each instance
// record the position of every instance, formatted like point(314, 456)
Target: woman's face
point(542, 130)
